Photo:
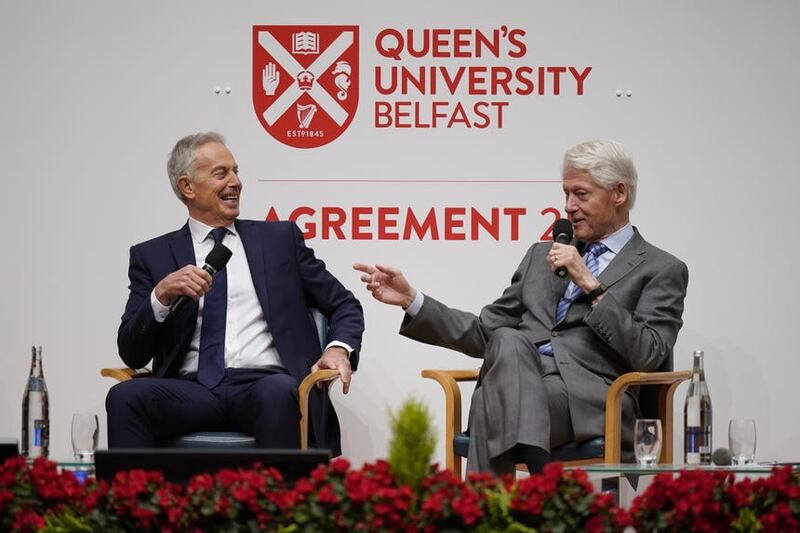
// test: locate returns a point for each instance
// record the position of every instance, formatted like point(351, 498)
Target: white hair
point(607, 162)
point(183, 157)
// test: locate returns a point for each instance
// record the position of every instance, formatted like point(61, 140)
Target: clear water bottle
point(697, 417)
point(36, 410)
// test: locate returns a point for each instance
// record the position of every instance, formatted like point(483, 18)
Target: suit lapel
point(182, 248)
point(180, 244)
point(256, 260)
point(631, 255)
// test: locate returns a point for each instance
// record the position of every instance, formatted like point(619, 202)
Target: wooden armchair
point(229, 439)
point(655, 403)
point(232, 439)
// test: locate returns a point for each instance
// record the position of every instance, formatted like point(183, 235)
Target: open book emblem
point(305, 82)
point(305, 42)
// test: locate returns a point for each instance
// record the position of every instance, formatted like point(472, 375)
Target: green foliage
point(413, 441)
point(746, 522)
point(67, 522)
point(499, 519)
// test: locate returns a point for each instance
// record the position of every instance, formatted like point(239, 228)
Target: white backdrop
point(94, 94)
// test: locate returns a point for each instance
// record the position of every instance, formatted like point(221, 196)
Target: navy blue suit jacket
point(288, 280)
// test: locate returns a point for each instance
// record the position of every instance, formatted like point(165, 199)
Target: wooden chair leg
point(667, 417)
point(448, 379)
point(303, 391)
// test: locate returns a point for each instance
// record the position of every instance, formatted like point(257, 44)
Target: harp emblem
point(305, 114)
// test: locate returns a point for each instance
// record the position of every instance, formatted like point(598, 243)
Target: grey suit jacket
point(632, 328)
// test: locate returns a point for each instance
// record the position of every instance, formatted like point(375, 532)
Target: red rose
point(326, 495)
point(340, 465)
point(26, 520)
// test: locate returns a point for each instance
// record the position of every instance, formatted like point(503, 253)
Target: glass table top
point(633, 468)
point(69, 464)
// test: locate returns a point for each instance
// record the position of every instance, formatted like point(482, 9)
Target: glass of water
point(742, 441)
point(85, 430)
point(647, 439)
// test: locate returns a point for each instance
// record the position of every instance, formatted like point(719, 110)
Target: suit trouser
point(263, 402)
point(521, 399)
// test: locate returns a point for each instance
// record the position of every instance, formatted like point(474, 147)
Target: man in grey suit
point(551, 346)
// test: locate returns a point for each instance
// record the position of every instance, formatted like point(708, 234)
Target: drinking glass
point(742, 441)
point(647, 438)
point(85, 430)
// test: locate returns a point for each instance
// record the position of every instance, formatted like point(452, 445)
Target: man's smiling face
point(213, 191)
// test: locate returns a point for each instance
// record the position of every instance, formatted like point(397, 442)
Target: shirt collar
point(619, 238)
point(200, 230)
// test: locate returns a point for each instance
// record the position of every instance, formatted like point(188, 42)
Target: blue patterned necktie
point(211, 364)
point(593, 251)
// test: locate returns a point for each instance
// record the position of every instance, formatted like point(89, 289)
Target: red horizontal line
point(401, 181)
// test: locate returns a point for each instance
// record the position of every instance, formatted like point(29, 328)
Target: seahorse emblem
point(341, 73)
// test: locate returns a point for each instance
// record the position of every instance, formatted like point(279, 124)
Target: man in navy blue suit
point(232, 357)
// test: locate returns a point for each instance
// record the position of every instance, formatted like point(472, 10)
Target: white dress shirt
point(248, 341)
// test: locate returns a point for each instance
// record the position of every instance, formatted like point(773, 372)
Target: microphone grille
point(562, 227)
point(721, 457)
point(218, 257)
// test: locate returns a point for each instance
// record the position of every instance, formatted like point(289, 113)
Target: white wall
point(93, 95)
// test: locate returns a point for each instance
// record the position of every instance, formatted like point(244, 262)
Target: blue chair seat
point(588, 449)
point(213, 439)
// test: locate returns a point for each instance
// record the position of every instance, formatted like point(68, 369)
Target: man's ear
point(186, 187)
point(620, 193)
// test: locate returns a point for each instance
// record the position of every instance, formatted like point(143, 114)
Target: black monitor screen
point(8, 448)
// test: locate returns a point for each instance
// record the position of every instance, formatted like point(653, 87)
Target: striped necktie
point(593, 251)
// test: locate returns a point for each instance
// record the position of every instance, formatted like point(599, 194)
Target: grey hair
point(607, 162)
point(183, 157)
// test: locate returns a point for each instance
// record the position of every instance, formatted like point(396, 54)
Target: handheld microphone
point(721, 457)
point(562, 233)
point(216, 260)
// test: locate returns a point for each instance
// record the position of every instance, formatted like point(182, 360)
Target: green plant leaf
point(412, 444)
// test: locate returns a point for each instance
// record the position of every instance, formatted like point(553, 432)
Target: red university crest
point(305, 82)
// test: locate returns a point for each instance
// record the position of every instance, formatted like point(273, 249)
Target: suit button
point(555, 334)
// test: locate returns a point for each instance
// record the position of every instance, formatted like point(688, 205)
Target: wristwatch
point(596, 292)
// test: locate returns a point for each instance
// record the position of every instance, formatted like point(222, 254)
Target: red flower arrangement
point(774, 501)
point(29, 493)
point(256, 499)
point(138, 500)
point(695, 500)
point(336, 497)
point(448, 502)
point(700, 501)
point(560, 500)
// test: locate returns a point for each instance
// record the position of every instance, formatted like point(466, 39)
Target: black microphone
point(721, 457)
point(216, 260)
point(562, 233)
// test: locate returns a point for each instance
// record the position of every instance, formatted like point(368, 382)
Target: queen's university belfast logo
point(305, 82)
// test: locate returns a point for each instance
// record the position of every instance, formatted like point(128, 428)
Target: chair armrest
point(613, 436)
point(124, 374)
point(303, 391)
point(449, 379)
